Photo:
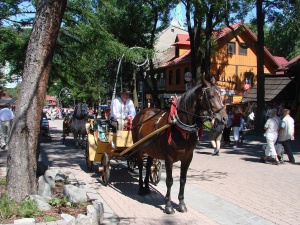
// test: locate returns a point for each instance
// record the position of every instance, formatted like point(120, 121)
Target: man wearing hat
point(122, 109)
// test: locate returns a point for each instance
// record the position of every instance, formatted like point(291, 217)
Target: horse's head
point(84, 109)
point(211, 102)
point(81, 110)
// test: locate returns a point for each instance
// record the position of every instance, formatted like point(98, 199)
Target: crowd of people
point(279, 126)
point(279, 130)
point(57, 112)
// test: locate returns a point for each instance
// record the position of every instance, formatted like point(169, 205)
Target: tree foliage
point(282, 36)
point(202, 18)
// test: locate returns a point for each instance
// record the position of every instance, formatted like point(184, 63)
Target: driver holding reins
point(122, 109)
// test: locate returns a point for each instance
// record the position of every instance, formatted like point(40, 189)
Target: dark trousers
point(287, 148)
point(226, 134)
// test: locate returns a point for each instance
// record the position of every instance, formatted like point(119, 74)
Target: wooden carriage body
point(104, 145)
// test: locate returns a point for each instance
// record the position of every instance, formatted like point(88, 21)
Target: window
point(242, 51)
point(231, 48)
point(178, 76)
point(170, 77)
point(161, 82)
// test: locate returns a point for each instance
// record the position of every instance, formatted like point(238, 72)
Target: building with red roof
point(233, 67)
point(51, 101)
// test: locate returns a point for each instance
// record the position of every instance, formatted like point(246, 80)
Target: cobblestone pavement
point(233, 188)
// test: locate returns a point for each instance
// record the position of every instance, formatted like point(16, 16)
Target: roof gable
point(183, 39)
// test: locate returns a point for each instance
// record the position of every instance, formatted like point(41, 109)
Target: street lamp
point(67, 92)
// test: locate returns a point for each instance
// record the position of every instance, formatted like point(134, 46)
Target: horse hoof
point(169, 210)
point(181, 208)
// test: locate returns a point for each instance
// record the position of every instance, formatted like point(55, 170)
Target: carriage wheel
point(131, 163)
point(155, 175)
point(89, 163)
point(106, 168)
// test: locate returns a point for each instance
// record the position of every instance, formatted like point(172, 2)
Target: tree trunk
point(195, 42)
point(23, 142)
point(259, 116)
point(208, 34)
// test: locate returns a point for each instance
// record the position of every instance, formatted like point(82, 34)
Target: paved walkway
point(233, 188)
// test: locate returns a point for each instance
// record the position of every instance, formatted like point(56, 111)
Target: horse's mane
point(188, 98)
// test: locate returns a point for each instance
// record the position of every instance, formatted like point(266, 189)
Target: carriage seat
point(103, 126)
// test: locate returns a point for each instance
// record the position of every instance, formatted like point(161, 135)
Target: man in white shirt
point(6, 118)
point(286, 134)
point(122, 109)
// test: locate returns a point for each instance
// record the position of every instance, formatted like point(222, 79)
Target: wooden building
point(51, 101)
point(233, 68)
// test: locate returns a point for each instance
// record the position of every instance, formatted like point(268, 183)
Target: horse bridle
point(189, 128)
point(211, 115)
point(211, 112)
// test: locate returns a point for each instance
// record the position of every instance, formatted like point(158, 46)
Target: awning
point(277, 87)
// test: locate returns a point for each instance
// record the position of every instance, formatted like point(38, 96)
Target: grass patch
point(28, 209)
point(49, 219)
point(3, 181)
point(7, 207)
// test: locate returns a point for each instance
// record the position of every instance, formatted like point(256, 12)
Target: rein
point(192, 128)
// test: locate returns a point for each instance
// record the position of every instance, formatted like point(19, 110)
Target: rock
point(83, 220)
point(74, 194)
point(61, 177)
point(50, 177)
point(26, 221)
point(93, 214)
point(70, 220)
point(44, 188)
point(41, 202)
point(99, 210)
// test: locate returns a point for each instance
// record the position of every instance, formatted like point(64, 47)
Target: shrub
point(28, 208)
point(6, 207)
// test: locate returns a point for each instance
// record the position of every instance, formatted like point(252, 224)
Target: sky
point(179, 13)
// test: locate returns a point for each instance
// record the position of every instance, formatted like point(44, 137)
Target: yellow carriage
point(104, 145)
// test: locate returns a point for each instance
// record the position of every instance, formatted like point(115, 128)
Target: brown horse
point(176, 142)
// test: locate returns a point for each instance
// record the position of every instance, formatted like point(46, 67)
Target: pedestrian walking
point(250, 120)
point(241, 131)
point(271, 134)
point(6, 118)
point(215, 136)
point(287, 134)
point(236, 124)
point(227, 129)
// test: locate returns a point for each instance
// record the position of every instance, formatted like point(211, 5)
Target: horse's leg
point(147, 176)
point(183, 172)
point(140, 166)
point(76, 138)
point(169, 182)
point(80, 138)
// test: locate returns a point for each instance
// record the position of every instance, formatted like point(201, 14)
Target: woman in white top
point(271, 134)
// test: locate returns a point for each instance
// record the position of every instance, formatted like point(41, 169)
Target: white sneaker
point(235, 146)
